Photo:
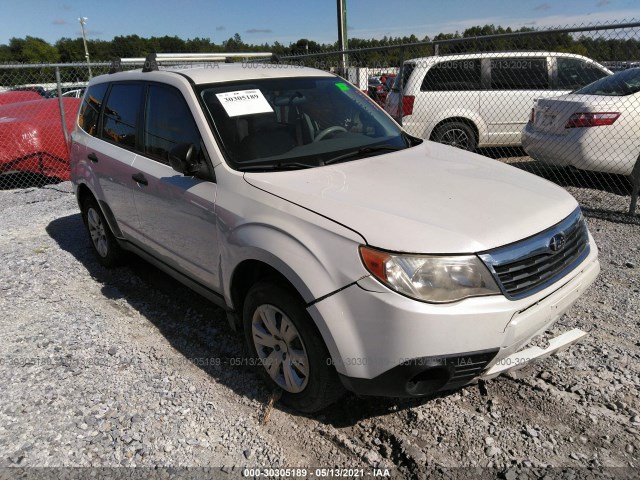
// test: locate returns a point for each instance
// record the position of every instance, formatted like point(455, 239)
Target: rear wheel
point(456, 134)
point(104, 243)
point(286, 346)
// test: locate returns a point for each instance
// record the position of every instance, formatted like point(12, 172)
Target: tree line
point(599, 46)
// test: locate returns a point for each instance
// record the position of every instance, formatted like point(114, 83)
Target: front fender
point(315, 263)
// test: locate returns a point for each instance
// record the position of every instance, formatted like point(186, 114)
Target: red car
point(31, 136)
point(379, 91)
point(18, 96)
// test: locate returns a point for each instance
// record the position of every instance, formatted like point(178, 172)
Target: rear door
point(177, 222)
point(111, 149)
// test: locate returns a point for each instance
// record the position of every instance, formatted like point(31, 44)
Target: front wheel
point(456, 134)
point(288, 349)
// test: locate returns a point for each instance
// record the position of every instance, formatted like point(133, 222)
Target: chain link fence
point(506, 96)
point(520, 98)
point(38, 107)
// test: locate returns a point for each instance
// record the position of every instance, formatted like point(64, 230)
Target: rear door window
point(453, 75)
point(519, 74)
point(120, 121)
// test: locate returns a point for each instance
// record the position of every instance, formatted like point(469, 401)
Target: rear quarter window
point(574, 73)
point(90, 109)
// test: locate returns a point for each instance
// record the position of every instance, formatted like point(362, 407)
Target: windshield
point(297, 122)
point(620, 84)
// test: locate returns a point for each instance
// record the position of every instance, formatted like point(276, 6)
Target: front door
point(177, 222)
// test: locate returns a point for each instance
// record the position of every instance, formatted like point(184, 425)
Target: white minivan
point(482, 99)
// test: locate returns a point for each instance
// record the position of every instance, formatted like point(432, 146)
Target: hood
point(427, 199)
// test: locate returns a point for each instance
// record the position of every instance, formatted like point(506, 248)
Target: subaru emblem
point(557, 242)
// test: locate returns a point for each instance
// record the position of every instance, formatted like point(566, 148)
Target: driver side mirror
point(182, 159)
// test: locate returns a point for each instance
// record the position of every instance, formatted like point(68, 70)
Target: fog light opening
point(428, 381)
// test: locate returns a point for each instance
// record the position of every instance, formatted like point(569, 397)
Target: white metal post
point(82, 21)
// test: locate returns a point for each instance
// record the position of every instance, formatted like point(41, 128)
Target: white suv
point(349, 253)
point(482, 99)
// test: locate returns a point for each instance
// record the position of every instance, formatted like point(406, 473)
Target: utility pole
point(82, 21)
point(342, 35)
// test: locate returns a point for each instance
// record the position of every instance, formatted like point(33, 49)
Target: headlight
point(430, 278)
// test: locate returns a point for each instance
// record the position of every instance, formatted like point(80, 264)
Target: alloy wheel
point(97, 232)
point(456, 138)
point(280, 348)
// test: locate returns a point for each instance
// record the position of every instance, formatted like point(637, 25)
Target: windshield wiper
point(274, 166)
point(298, 165)
point(362, 151)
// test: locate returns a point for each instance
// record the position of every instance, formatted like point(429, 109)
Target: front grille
point(526, 267)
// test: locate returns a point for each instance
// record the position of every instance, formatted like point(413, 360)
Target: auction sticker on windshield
point(244, 102)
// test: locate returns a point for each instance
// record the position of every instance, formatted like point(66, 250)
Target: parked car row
point(482, 99)
point(485, 100)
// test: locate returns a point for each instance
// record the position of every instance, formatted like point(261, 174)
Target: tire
point(457, 134)
point(278, 329)
point(104, 244)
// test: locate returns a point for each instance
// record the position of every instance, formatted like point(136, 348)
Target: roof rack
point(152, 60)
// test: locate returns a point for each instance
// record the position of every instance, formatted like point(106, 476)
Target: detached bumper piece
point(423, 376)
point(428, 375)
point(519, 359)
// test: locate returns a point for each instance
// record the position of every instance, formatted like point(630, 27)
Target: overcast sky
point(285, 21)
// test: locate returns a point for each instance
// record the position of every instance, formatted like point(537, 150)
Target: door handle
point(93, 157)
point(140, 178)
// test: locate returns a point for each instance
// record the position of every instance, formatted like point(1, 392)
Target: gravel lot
point(126, 367)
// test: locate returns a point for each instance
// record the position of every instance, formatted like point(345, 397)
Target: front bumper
point(519, 359)
point(382, 343)
point(422, 376)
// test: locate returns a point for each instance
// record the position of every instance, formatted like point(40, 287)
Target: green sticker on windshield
point(343, 86)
